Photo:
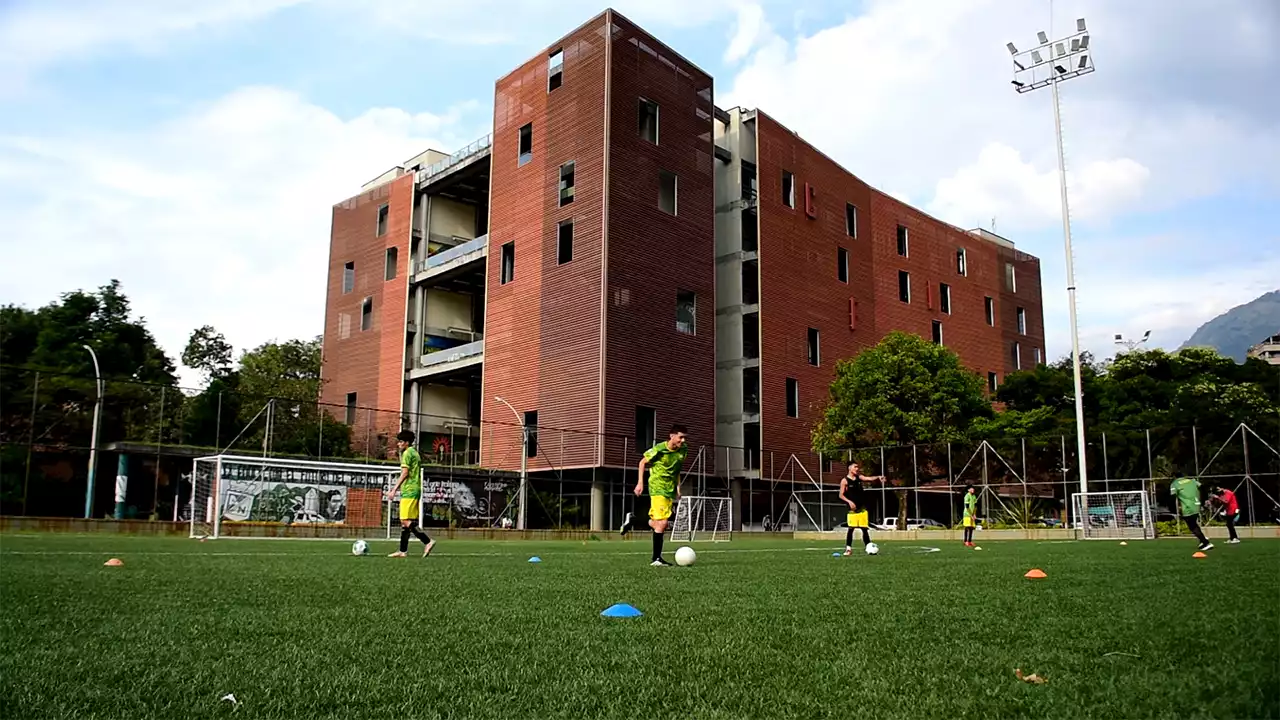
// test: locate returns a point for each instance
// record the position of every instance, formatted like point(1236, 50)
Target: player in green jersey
point(410, 488)
point(970, 514)
point(1186, 493)
point(664, 461)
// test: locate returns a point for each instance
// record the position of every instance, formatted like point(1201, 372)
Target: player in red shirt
point(1230, 510)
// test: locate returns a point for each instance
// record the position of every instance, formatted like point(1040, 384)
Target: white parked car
point(890, 524)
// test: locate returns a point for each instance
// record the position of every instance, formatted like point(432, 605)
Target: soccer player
point(410, 487)
point(853, 494)
point(1186, 490)
point(664, 462)
point(970, 514)
point(1230, 510)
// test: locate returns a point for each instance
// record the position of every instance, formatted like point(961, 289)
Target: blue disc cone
point(621, 610)
point(835, 554)
point(535, 558)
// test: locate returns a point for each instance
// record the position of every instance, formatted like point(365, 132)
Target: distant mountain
point(1236, 330)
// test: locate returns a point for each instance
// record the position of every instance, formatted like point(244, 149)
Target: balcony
point(452, 260)
point(477, 149)
point(448, 360)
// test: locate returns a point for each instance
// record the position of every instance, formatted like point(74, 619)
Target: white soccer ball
point(873, 549)
point(685, 556)
point(360, 547)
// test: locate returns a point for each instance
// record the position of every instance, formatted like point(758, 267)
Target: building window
point(937, 332)
point(1035, 354)
point(1017, 356)
point(851, 220)
point(667, 192)
point(383, 212)
point(962, 263)
point(903, 248)
point(508, 262)
point(1010, 278)
point(348, 277)
point(904, 286)
point(751, 282)
point(793, 398)
point(788, 189)
point(1022, 321)
point(564, 242)
point(393, 257)
point(992, 381)
point(647, 120)
point(366, 314)
point(842, 265)
point(751, 336)
point(751, 390)
point(815, 351)
point(526, 143)
point(555, 70)
point(991, 311)
point(351, 408)
point(646, 428)
point(686, 312)
point(566, 184)
point(531, 433)
point(750, 231)
point(944, 297)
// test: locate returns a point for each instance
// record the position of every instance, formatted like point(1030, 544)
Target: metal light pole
point(93, 442)
point(1130, 345)
point(1046, 65)
point(524, 464)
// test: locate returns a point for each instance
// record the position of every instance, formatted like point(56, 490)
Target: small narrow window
point(555, 70)
point(751, 336)
point(1017, 356)
point(647, 120)
point(1022, 321)
point(667, 192)
point(788, 189)
point(393, 257)
point(903, 248)
point(526, 143)
point(383, 212)
point(815, 351)
point(751, 390)
point(686, 312)
point(944, 297)
point(842, 265)
point(992, 381)
point(366, 314)
point(851, 220)
point(531, 433)
point(962, 263)
point(1035, 354)
point(508, 262)
point(566, 184)
point(904, 286)
point(991, 311)
point(351, 408)
point(1010, 278)
point(646, 428)
point(348, 277)
point(793, 398)
point(564, 242)
point(937, 332)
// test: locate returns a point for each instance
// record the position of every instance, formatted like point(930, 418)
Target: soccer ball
point(685, 556)
point(360, 547)
point(873, 549)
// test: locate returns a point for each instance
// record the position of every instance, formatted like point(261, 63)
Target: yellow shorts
point(968, 522)
point(408, 508)
point(659, 507)
point(857, 519)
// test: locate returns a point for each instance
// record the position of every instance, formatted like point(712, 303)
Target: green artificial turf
point(757, 628)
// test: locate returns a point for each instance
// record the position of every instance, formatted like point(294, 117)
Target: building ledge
point(738, 256)
point(448, 361)
point(741, 309)
point(438, 170)
point(735, 363)
point(455, 258)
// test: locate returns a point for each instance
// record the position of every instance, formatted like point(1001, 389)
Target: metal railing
point(475, 148)
point(445, 256)
point(458, 352)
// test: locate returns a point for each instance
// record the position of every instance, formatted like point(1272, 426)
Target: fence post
point(155, 500)
point(31, 441)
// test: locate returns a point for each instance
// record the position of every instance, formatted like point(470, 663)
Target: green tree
point(286, 376)
point(209, 352)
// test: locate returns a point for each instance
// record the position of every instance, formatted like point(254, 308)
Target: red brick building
point(621, 254)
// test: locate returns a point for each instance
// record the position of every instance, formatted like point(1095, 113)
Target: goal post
point(705, 518)
point(1115, 515)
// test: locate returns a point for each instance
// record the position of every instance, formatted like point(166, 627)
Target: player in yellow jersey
point(664, 461)
point(410, 488)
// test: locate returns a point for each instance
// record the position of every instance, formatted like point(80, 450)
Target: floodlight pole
point(93, 441)
point(524, 465)
point(1061, 66)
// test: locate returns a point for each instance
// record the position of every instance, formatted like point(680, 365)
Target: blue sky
point(193, 149)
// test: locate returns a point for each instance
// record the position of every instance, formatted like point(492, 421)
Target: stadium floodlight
point(524, 465)
point(93, 441)
point(1013, 49)
point(1130, 345)
point(1052, 62)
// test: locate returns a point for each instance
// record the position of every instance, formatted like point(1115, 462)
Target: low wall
point(1214, 532)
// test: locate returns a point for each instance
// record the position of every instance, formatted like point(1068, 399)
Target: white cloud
point(748, 29)
point(220, 216)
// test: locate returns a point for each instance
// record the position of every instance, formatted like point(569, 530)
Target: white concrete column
point(597, 505)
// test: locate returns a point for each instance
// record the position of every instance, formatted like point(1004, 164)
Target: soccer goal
point(1116, 515)
point(703, 518)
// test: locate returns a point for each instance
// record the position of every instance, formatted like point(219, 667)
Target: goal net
point(239, 490)
point(703, 518)
point(1118, 515)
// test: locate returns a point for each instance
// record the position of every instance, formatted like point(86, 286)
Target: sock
point(866, 537)
point(418, 532)
point(848, 538)
point(657, 545)
point(404, 538)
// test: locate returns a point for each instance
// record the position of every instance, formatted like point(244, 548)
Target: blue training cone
point(836, 554)
point(535, 558)
point(621, 610)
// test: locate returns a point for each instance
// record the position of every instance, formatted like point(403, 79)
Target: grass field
point(757, 628)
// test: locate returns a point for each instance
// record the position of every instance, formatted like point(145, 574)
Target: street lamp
point(93, 442)
point(1046, 65)
point(524, 463)
point(1131, 344)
